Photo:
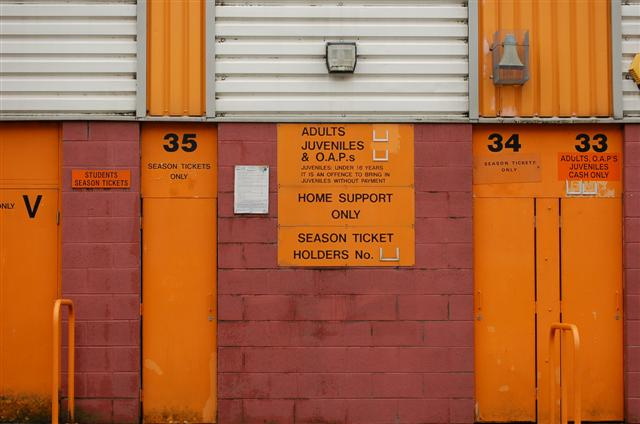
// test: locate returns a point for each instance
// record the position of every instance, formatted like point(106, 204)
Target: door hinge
point(58, 218)
point(141, 223)
point(140, 309)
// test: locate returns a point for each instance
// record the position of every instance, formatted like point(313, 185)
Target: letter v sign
point(27, 203)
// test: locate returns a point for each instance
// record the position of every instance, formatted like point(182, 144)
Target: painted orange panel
point(575, 248)
point(547, 262)
point(504, 309)
point(344, 206)
point(29, 154)
point(179, 272)
point(29, 199)
point(381, 245)
point(364, 155)
point(179, 160)
point(101, 178)
point(175, 58)
point(179, 310)
point(569, 58)
point(558, 149)
point(592, 299)
point(346, 195)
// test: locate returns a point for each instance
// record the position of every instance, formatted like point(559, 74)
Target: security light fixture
point(510, 59)
point(634, 69)
point(341, 57)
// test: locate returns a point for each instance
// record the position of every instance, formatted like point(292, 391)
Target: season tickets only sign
point(345, 195)
point(547, 161)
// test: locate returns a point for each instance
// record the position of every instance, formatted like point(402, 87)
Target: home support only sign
point(345, 195)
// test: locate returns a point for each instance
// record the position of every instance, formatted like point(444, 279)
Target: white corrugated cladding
point(60, 57)
point(630, 47)
point(412, 59)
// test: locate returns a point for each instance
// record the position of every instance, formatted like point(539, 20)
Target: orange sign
point(347, 206)
point(100, 178)
point(179, 160)
point(589, 166)
point(506, 169)
point(344, 246)
point(354, 155)
point(528, 160)
point(345, 195)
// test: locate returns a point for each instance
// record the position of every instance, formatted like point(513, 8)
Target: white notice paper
point(251, 189)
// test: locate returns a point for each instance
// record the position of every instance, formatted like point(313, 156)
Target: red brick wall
point(348, 345)
point(101, 269)
point(632, 271)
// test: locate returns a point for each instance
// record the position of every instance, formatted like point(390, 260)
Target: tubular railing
point(56, 360)
point(575, 337)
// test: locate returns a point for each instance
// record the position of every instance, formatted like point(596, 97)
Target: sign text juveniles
point(345, 195)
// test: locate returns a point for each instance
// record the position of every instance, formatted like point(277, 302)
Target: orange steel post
point(56, 360)
point(576, 375)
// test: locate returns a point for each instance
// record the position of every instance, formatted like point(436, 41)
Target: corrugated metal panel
point(570, 58)
point(630, 47)
point(412, 58)
point(176, 57)
point(60, 57)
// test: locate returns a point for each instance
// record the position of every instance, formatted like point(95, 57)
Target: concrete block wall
point(101, 270)
point(632, 271)
point(357, 345)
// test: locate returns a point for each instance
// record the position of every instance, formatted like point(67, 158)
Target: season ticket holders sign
point(345, 195)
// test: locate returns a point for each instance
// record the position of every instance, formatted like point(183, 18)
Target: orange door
point(547, 248)
point(179, 273)
point(28, 268)
point(504, 305)
point(539, 261)
point(592, 299)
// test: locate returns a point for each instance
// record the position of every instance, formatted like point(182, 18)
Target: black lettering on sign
point(584, 145)
point(188, 142)
point(324, 131)
point(512, 143)
point(345, 213)
point(322, 238)
point(321, 254)
point(315, 197)
point(373, 237)
point(7, 205)
point(361, 254)
point(27, 203)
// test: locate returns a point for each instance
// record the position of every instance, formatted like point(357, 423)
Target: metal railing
point(56, 360)
point(575, 337)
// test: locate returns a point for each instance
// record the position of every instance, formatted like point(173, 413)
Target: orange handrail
point(573, 329)
point(56, 360)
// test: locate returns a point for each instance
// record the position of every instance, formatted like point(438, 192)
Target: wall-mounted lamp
point(510, 59)
point(634, 70)
point(341, 57)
